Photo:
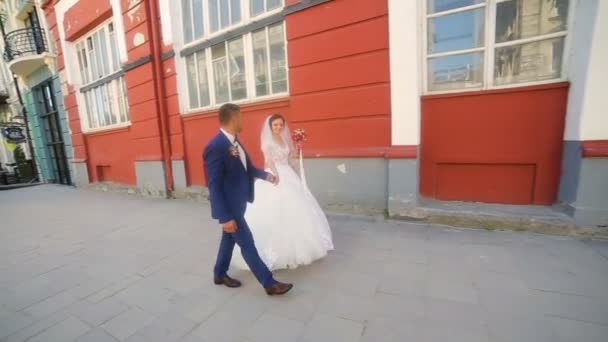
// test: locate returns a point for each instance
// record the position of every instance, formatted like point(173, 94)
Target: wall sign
point(13, 134)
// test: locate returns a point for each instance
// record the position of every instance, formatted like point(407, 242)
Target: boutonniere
point(234, 152)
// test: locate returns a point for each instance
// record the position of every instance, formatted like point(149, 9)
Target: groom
point(230, 176)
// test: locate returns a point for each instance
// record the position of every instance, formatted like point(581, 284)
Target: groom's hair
point(227, 110)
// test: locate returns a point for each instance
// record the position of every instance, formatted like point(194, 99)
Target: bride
point(287, 223)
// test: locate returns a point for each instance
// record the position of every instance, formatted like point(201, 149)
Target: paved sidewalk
point(87, 266)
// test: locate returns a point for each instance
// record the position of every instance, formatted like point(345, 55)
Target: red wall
point(339, 91)
point(338, 80)
point(495, 146)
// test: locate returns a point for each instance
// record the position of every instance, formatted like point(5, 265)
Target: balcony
point(25, 50)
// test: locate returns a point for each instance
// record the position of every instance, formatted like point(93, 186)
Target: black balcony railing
point(24, 42)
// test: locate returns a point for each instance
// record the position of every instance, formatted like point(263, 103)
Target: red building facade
point(392, 116)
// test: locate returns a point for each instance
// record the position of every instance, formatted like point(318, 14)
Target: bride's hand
point(273, 179)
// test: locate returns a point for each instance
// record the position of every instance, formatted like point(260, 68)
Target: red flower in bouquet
point(299, 137)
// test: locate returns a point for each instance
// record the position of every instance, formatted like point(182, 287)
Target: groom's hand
point(230, 227)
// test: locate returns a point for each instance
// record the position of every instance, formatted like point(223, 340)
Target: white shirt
point(232, 139)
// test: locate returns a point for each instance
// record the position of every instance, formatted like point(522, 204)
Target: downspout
point(153, 15)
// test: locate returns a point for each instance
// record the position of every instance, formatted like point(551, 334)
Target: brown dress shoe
point(278, 289)
point(226, 280)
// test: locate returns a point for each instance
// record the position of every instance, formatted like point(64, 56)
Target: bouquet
point(299, 137)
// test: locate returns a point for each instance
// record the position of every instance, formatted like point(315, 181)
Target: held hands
point(272, 179)
point(230, 227)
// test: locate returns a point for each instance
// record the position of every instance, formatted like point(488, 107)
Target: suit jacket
point(230, 184)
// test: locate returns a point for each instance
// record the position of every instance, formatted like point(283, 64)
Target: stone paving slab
point(87, 266)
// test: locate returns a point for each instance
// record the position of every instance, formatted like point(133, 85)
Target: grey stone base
point(584, 186)
point(363, 185)
point(591, 204)
point(80, 174)
point(179, 175)
point(150, 178)
point(193, 193)
point(124, 189)
point(402, 186)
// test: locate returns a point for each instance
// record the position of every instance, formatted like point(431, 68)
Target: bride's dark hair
point(275, 117)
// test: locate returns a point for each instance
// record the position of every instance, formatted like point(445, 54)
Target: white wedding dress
point(288, 226)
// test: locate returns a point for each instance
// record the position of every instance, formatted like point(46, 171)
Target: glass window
point(106, 103)
point(536, 61)
point(527, 44)
point(203, 85)
point(187, 20)
point(238, 85)
point(435, 6)
point(278, 63)
point(192, 82)
point(517, 19)
point(455, 72)
point(257, 7)
point(459, 31)
point(260, 63)
point(261, 6)
point(252, 65)
point(220, 73)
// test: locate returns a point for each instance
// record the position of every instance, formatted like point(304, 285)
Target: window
point(250, 66)
point(104, 95)
point(476, 44)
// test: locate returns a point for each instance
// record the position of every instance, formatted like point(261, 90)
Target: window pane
point(260, 63)
point(98, 56)
point(110, 117)
point(80, 64)
point(92, 61)
point(192, 91)
point(114, 100)
point(257, 7)
point(197, 14)
point(529, 62)
point(114, 48)
point(220, 73)
point(517, 19)
point(435, 6)
point(238, 82)
point(224, 13)
point(87, 102)
point(214, 21)
point(187, 20)
point(456, 72)
point(460, 31)
point(85, 64)
point(203, 86)
point(124, 101)
point(235, 10)
point(99, 107)
point(277, 58)
point(273, 4)
point(104, 52)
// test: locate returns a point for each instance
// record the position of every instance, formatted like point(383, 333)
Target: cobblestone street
point(89, 266)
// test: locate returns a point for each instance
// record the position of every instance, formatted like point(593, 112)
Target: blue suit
point(231, 186)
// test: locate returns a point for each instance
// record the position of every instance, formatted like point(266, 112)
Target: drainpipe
point(152, 13)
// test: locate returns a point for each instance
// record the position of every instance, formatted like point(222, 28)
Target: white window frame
point(117, 84)
point(246, 19)
point(489, 48)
